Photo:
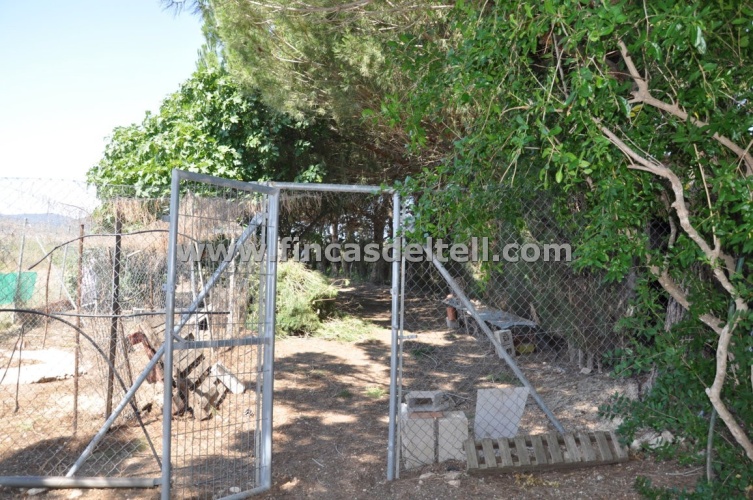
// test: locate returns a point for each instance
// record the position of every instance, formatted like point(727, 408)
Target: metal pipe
point(77, 354)
point(400, 338)
point(17, 293)
point(396, 249)
point(270, 306)
point(77, 482)
point(167, 346)
point(482, 324)
point(330, 188)
point(223, 182)
point(247, 494)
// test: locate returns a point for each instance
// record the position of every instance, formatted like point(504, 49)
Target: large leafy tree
point(643, 111)
point(211, 126)
point(639, 111)
point(327, 58)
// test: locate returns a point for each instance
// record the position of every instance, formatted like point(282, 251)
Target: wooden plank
point(228, 378)
point(522, 449)
point(601, 441)
point(185, 361)
point(471, 455)
point(572, 449)
point(504, 453)
point(619, 451)
point(487, 445)
point(581, 452)
point(152, 334)
point(538, 450)
point(589, 454)
point(553, 440)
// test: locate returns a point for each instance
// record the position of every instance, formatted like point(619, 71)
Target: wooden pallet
point(544, 452)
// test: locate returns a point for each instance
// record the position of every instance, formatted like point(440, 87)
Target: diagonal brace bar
point(460, 294)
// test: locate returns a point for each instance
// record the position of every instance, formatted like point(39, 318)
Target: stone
point(503, 341)
point(451, 476)
point(498, 412)
point(455, 483)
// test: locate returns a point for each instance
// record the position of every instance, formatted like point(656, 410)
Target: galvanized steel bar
point(330, 188)
point(270, 305)
point(396, 252)
point(167, 346)
point(227, 183)
point(78, 482)
point(482, 324)
point(213, 344)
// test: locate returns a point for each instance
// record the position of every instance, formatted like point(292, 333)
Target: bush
point(304, 299)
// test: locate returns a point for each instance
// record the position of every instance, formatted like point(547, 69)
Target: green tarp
point(8, 282)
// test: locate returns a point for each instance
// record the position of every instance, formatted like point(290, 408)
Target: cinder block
point(452, 432)
point(426, 401)
point(498, 412)
point(418, 439)
point(504, 341)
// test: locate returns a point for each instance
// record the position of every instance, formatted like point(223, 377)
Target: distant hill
point(54, 220)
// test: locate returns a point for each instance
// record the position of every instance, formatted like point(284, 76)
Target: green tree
point(641, 110)
point(627, 113)
point(211, 126)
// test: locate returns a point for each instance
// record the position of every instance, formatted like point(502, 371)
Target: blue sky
point(72, 71)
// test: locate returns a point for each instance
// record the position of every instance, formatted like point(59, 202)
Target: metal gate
point(219, 337)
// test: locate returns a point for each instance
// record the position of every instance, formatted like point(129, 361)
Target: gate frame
point(263, 452)
point(264, 445)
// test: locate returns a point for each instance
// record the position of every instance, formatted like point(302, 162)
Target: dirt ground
point(330, 431)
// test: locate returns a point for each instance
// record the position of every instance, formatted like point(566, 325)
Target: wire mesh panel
point(221, 352)
point(65, 358)
point(501, 338)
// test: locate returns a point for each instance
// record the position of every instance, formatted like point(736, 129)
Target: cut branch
point(643, 95)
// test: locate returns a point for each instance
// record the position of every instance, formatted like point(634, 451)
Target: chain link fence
point(78, 276)
point(502, 339)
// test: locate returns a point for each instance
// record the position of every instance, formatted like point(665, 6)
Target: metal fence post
point(270, 304)
point(167, 407)
point(396, 251)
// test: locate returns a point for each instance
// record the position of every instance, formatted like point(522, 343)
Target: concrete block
point(498, 412)
point(418, 439)
point(452, 432)
point(426, 401)
point(504, 341)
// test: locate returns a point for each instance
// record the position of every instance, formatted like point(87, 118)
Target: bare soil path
point(330, 432)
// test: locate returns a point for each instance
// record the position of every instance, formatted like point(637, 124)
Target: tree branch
point(673, 289)
point(643, 95)
point(715, 391)
point(683, 214)
point(640, 162)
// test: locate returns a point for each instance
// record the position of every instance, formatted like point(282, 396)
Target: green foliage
point(376, 392)
point(210, 126)
point(525, 91)
point(304, 299)
point(345, 329)
point(521, 94)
